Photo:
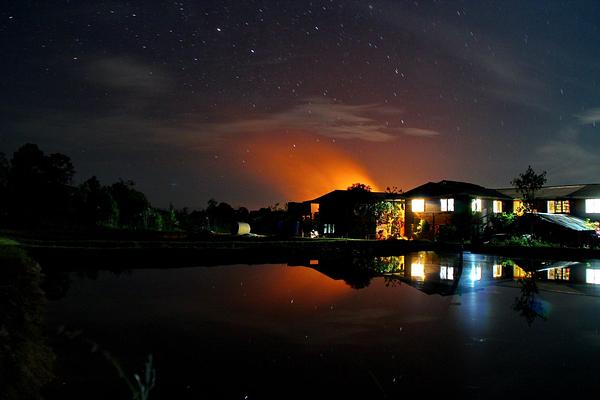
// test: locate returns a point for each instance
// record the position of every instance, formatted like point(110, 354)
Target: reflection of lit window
point(328, 228)
point(497, 271)
point(592, 276)
point(475, 273)
point(313, 262)
point(447, 273)
point(417, 271)
point(562, 274)
point(497, 206)
point(476, 205)
point(592, 206)
point(519, 272)
point(559, 207)
point(447, 204)
point(418, 205)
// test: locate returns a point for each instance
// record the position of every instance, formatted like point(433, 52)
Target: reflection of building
point(449, 274)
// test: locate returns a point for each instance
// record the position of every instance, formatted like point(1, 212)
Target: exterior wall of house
point(578, 210)
point(436, 218)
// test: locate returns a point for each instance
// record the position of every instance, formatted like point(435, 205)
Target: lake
point(422, 323)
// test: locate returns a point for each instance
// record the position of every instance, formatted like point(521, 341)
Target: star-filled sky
point(259, 102)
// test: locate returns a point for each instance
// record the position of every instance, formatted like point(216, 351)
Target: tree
point(134, 208)
point(359, 187)
point(4, 170)
point(527, 184)
point(37, 185)
point(95, 205)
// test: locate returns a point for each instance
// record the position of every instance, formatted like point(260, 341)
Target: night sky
point(258, 102)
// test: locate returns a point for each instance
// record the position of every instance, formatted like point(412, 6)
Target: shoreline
point(131, 254)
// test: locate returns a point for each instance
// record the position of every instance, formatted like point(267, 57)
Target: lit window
point(329, 228)
point(476, 205)
point(417, 271)
point(314, 209)
point(559, 207)
point(592, 206)
point(447, 273)
point(447, 204)
point(518, 207)
point(562, 274)
point(497, 206)
point(497, 271)
point(418, 205)
point(592, 276)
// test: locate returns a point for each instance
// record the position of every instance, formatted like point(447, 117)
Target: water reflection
point(528, 304)
point(398, 320)
point(448, 274)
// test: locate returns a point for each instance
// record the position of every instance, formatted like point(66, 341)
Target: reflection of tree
point(392, 280)
point(528, 305)
point(25, 360)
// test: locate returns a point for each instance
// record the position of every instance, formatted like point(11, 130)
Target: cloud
point(367, 122)
point(419, 132)
point(591, 116)
point(507, 76)
point(128, 74)
point(567, 159)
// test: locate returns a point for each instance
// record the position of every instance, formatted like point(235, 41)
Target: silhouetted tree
point(4, 170)
point(359, 187)
point(95, 204)
point(38, 185)
point(134, 208)
point(527, 184)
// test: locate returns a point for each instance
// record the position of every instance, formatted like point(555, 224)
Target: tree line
point(37, 191)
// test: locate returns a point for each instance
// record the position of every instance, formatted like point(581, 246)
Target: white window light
point(592, 206)
point(476, 205)
point(592, 276)
point(497, 206)
point(475, 274)
point(447, 204)
point(418, 205)
point(447, 273)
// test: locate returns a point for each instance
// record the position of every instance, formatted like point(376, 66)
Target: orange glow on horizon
point(300, 166)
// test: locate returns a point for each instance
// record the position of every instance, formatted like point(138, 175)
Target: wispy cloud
point(591, 116)
point(576, 161)
point(367, 122)
point(419, 132)
point(125, 73)
point(507, 76)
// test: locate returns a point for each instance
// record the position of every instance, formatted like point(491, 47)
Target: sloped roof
point(454, 188)
point(354, 195)
point(566, 221)
point(587, 192)
point(546, 192)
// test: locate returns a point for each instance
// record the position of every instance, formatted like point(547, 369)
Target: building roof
point(354, 195)
point(559, 192)
point(587, 192)
point(566, 221)
point(452, 189)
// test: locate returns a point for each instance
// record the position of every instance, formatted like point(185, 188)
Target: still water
point(364, 327)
